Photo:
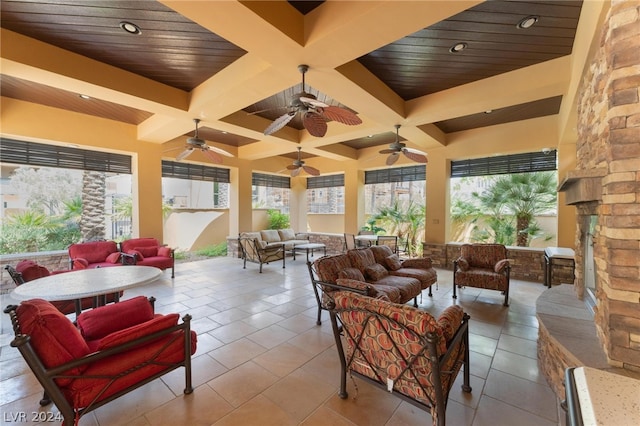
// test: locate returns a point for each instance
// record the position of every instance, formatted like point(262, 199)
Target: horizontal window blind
point(177, 170)
point(329, 181)
point(505, 164)
point(271, 181)
point(37, 154)
point(397, 174)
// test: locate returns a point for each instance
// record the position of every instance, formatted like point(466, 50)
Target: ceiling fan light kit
point(398, 147)
point(314, 113)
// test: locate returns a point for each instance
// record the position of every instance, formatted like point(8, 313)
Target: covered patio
point(261, 358)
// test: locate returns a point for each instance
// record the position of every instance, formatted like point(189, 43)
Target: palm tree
point(523, 195)
point(92, 220)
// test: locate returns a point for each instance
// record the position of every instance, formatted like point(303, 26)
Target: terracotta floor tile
point(241, 384)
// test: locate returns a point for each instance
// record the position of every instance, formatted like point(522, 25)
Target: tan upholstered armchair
point(402, 349)
point(482, 266)
point(258, 251)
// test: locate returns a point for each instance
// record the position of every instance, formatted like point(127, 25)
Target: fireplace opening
point(589, 264)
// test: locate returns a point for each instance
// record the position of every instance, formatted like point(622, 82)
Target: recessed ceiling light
point(130, 28)
point(458, 47)
point(527, 22)
point(85, 96)
point(489, 111)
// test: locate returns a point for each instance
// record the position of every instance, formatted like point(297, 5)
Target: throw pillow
point(463, 264)
point(352, 274)
point(136, 253)
point(99, 322)
point(164, 251)
point(270, 235)
point(80, 263)
point(393, 262)
point(375, 272)
point(113, 257)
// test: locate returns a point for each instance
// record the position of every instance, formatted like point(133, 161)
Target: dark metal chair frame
point(428, 351)
point(251, 252)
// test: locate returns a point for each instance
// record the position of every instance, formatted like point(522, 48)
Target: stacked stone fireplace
point(605, 186)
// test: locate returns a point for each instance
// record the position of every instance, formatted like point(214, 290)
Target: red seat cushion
point(160, 322)
point(53, 336)
point(99, 322)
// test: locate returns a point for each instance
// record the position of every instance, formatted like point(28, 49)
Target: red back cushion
point(147, 251)
point(134, 243)
point(98, 322)
point(53, 336)
point(93, 252)
point(31, 270)
point(158, 323)
point(113, 257)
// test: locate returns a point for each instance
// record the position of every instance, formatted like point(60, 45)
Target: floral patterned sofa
point(482, 266)
point(404, 350)
point(373, 271)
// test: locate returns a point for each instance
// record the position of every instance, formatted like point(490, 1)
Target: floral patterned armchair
point(401, 349)
point(482, 266)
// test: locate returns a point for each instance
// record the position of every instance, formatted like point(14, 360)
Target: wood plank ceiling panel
point(171, 49)
point(422, 63)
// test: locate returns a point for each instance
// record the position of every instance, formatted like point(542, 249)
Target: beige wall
point(326, 223)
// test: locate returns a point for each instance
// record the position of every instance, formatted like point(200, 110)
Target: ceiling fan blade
point(213, 156)
point(314, 102)
point(315, 124)
point(311, 170)
point(292, 167)
point(392, 158)
point(295, 172)
point(219, 151)
point(415, 155)
point(279, 123)
point(341, 115)
point(184, 154)
point(388, 151)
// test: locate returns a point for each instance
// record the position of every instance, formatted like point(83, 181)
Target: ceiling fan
point(214, 154)
point(298, 165)
point(398, 147)
point(315, 114)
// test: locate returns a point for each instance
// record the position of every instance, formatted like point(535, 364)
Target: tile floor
point(261, 359)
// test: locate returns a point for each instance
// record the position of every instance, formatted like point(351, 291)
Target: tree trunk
point(92, 219)
point(522, 237)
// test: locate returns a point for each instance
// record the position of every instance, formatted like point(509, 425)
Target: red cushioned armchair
point(113, 350)
point(149, 252)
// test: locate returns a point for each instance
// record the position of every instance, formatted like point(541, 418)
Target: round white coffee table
point(75, 285)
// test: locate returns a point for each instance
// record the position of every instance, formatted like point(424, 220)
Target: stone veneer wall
point(609, 137)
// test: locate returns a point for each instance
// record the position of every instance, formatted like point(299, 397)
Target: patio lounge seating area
point(262, 359)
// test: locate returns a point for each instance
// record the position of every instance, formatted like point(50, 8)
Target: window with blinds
point(270, 181)
point(329, 181)
point(397, 174)
point(505, 164)
point(173, 169)
point(37, 154)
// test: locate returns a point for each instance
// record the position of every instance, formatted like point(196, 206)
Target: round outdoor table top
point(86, 283)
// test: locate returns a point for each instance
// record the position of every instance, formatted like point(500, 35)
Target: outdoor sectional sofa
point(375, 272)
point(287, 237)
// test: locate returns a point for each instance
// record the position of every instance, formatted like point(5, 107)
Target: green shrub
point(277, 219)
point(214, 250)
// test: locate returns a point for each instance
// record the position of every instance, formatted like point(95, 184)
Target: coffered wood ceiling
point(234, 65)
